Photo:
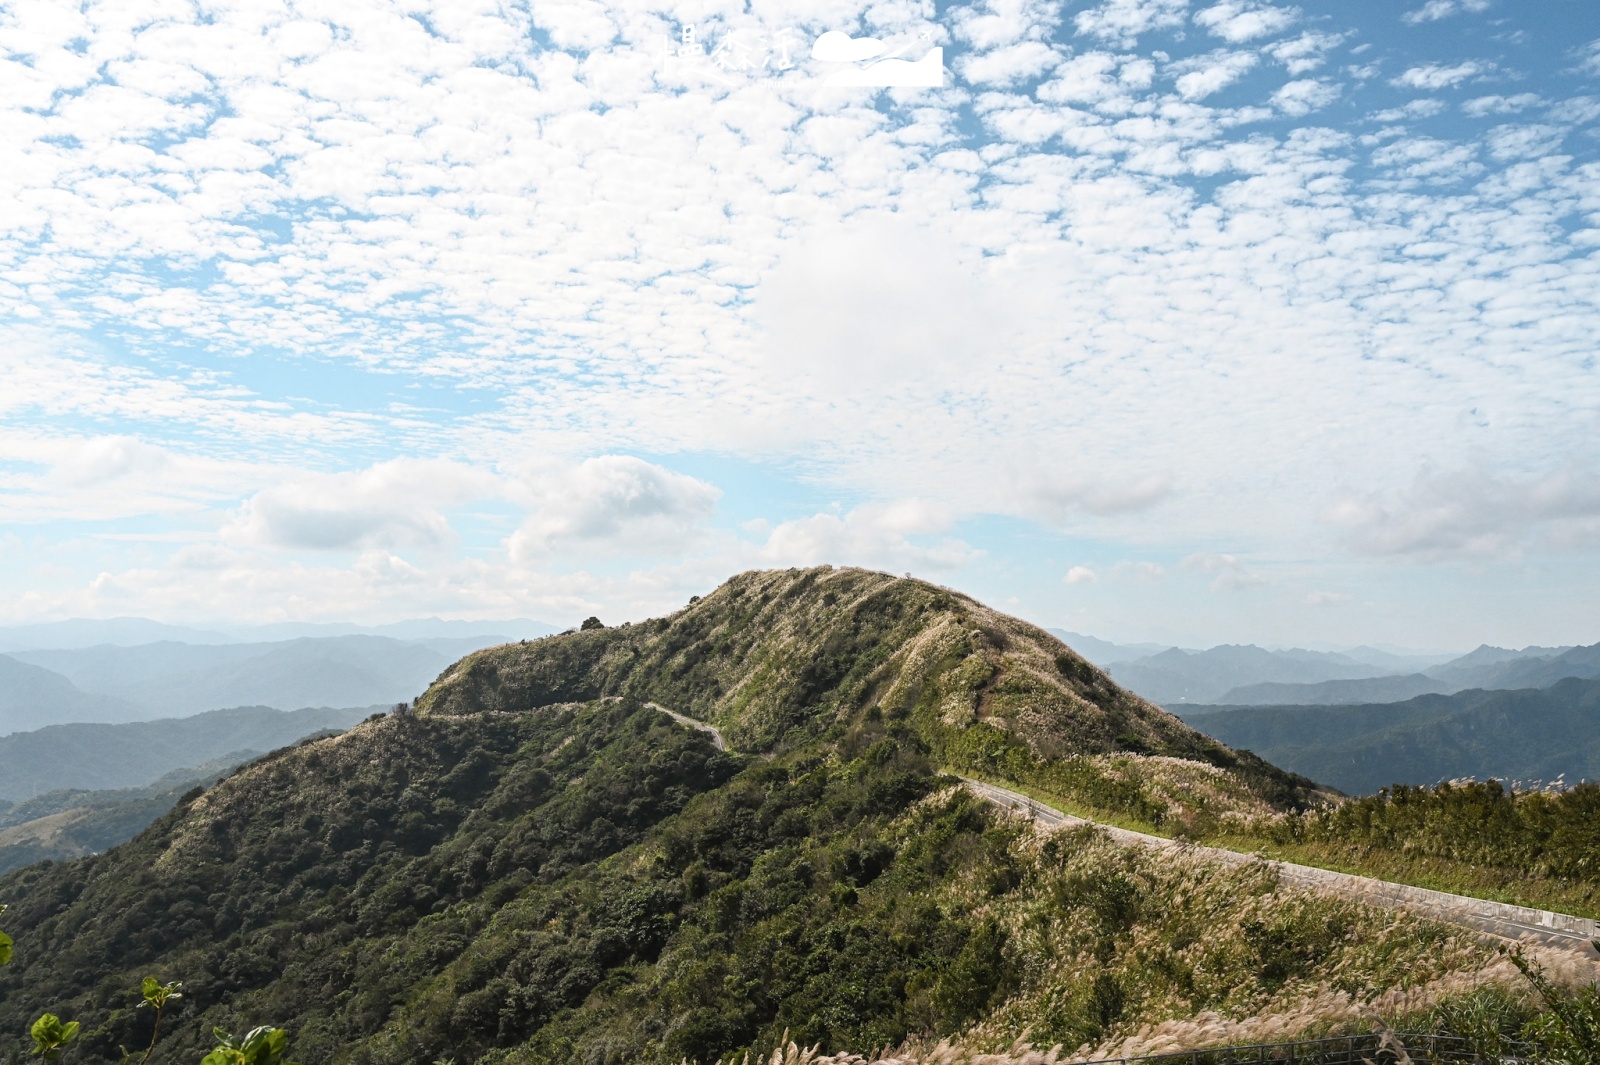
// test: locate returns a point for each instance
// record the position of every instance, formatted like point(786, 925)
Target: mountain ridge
point(533, 866)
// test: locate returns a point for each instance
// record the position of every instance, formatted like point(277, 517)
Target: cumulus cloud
point(1207, 74)
point(882, 535)
point(1006, 66)
point(394, 503)
point(1098, 79)
point(1230, 574)
point(1304, 96)
point(1063, 496)
point(1237, 21)
point(1501, 105)
point(99, 459)
point(1431, 77)
point(1120, 22)
point(1143, 571)
point(1305, 53)
point(876, 300)
point(1423, 108)
point(1434, 10)
point(1471, 513)
point(1080, 575)
point(609, 505)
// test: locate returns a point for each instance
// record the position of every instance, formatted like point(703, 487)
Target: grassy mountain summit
point(779, 658)
point(537, 867)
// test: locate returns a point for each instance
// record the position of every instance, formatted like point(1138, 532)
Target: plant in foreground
point(156, 996)
point(50, 1036)
point(260, 1046)
point(1569, 1029)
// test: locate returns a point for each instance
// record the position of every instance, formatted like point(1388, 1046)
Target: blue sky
point(1193, 321)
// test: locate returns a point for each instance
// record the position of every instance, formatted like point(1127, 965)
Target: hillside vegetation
point(535, 866)
point(1523, 735)
point(778, 659)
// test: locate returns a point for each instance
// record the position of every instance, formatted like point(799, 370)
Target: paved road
point(1496, 918)
point(716, 735)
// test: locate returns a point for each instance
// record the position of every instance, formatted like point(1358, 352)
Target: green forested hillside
point(1529, 735)
point(777, 658)
point(536, 867)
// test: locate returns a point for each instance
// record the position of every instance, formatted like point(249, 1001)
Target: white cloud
point(1590, 62)
point(1299, 98)
point(877, 301)
point(1328, 598)
point(394, 503)
point(1238, 21)
point(1421, 108)
point(1008, 65)
point(1120, 22)
point(1080, 575)
point(875, 534)
point(1431, 77)
point(1231, 575)
point(1471, 513)
point(1525, 141)
point(1434, 10)
point(1099, 79)
point(302, 249)
point(1501, 105)
point(1212, 73)
point(1428, 158)
point(1061, 496)
point(1143, 571)
point(99, 459)
point(998, 24)
point(610, 505)
point(1305, 53)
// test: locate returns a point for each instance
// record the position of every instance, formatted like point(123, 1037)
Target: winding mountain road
point(1498, 919)
point(716, 734)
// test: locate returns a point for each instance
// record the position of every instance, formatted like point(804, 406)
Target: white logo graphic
point(737, 55)
point(874, 65)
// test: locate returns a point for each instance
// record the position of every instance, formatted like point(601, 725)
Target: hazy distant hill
point(72, 822)
point(1337, 692)
point(1542, 671)
point(1487, 668)
point(1526, 734)
point(172, 679)
point(132, 632)
point(88, 632)
point(32, 697)
point(1178, 676)
point(1103, 652)
point(98, 757)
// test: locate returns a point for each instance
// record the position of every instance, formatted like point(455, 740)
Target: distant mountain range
point(69, 823)
point(110, 682)
point(1529, 734)
point(98, 757)
point(1246, 675)
point(132, 632)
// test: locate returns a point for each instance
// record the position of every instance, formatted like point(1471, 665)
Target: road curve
point(1495, 918)
point(716, 734)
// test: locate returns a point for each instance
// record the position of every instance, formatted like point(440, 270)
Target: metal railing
point(1371, 1049)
